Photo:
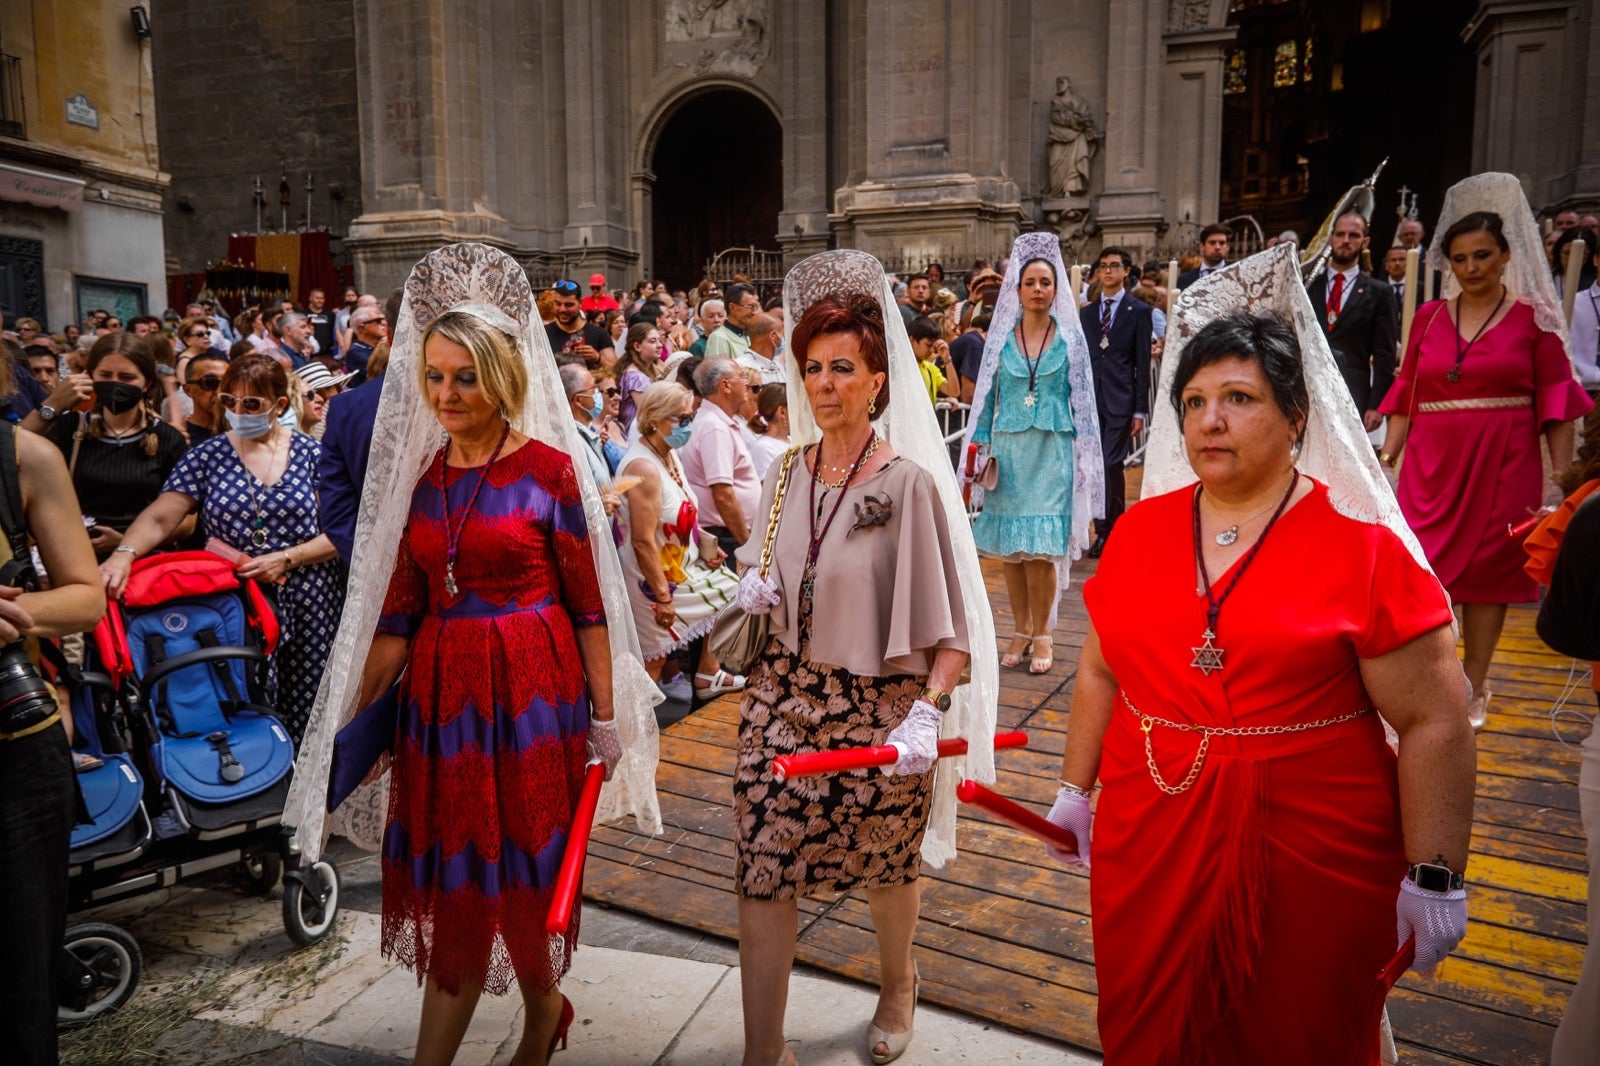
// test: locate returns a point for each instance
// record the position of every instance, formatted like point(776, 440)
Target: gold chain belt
point(1482, 403)
point(1149, 721)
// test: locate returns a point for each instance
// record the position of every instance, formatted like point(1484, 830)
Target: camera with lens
point(25, 698)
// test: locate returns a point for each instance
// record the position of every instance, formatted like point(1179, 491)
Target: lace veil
point(1336, 450)
point(490, 285)
point(1528, 273)
point(913, 431)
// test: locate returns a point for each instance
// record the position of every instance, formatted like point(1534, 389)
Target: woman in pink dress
point(1480, 383)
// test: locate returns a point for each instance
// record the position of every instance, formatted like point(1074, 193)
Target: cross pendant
point(450, 579)
point(1207, 657)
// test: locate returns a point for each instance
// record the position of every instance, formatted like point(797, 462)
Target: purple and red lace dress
point(490, 746)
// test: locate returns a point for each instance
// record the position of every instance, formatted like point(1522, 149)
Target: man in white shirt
point(1584, 334)
point(766, 347)
point(716, 461)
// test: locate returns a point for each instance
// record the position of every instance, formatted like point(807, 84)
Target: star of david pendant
point(1028, 400)
point(1105, 342)
point(450, 579)
point(1207, 657)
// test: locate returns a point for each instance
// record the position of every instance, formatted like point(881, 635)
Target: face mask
point(680, 435)
point(288, 420)
point(597, 405)
point(117, 396)
point(250, 427)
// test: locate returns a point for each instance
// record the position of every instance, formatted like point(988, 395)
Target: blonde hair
point(501, 373)
point(660, 400)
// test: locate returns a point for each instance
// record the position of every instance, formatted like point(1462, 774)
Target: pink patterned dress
point(1472, 460)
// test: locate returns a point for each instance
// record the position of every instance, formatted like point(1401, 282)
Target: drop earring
point(872, 405)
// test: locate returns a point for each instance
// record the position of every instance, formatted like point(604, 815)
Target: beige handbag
point(737, 636)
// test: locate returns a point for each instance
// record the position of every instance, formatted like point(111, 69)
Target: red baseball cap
point(597, 280)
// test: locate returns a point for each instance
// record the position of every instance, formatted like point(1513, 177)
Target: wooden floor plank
point(1006, 933)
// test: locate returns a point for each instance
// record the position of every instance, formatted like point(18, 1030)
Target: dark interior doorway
point(719, 183)
point(1317, 93)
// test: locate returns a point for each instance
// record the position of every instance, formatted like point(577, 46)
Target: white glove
point(756, 595)
point(604, 744)
point(1437, 919)
point(1071, 812)
point(917, 740)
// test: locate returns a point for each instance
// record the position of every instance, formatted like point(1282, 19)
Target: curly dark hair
point(1268, 341)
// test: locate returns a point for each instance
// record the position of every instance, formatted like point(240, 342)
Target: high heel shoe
point(895, 1042)
point(1478, 709)
point(560, 1035)
point(1041, 664)
point(1013, 656)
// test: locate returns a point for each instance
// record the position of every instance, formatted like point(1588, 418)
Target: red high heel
point(562, 1026)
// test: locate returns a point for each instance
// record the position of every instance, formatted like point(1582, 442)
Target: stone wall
point(254, 88)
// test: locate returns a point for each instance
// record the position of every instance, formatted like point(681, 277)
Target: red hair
point(858, 316)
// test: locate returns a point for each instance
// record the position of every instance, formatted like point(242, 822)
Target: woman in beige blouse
point(869, 634)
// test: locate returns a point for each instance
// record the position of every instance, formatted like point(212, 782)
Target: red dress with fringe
point(490, 747)
point(1246, 920)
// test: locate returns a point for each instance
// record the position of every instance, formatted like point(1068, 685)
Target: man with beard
point(568, 334)
point(1214, 240)
point(1357, 312)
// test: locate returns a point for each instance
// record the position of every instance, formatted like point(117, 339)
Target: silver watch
point(47, 412)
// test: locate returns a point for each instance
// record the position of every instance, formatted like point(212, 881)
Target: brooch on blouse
point(872, 511)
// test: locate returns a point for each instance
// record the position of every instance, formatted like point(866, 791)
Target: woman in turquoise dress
point(1036, 418)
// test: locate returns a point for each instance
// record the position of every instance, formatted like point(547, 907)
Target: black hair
point(1476, 222)
point(981, 321)
point(685, 373)
point(923, 328)
point(649, 311)
point(1127, 260)
point(1037, 259)
point(1216, 229)
point(737, 292)
point(1267, 340)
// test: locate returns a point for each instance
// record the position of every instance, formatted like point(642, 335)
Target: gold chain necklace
point(849, 471)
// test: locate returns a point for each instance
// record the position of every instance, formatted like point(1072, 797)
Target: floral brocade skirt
point(834, 832)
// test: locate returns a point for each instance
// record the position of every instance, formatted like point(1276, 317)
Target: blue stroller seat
point(119, 828)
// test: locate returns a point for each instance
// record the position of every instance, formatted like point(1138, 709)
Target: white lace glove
point(1071, 812)
point(604, 744)
point(917, 740)
point(756, 595)
point(1437, 919)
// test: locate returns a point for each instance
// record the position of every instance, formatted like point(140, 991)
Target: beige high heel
point(895, 1042)
point(1013, 659)
point(1041, 664)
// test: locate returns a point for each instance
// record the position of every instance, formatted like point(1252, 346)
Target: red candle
point(1017, 815)
point(571, 876)
point(842, 759)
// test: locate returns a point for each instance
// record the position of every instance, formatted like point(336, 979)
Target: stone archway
point(717, 166)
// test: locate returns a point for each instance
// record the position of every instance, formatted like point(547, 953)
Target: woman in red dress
point(1481, 382)
point(1254, 829)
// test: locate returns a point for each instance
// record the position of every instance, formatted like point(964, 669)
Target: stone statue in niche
point(1074, 139)
point(738, 28)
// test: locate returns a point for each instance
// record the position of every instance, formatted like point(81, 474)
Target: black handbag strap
point(12, 517)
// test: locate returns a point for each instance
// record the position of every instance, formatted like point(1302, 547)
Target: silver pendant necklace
point(1230, 535)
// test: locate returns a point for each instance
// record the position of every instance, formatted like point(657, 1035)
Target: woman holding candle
point(1034, 410)
point(875, 598)
point(477, 578)
point(1256, 845)
point(1485, 376)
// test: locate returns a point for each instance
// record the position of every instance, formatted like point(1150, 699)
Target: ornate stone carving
point(1188, 15)
point(1074, 224)
point(735, 33)
point(1074, 138)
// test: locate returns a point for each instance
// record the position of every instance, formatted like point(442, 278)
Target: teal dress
point(1028, 514)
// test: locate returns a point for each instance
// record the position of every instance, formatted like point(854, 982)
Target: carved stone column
point(802, 54)
point(1131, 206)
point(1191, 122)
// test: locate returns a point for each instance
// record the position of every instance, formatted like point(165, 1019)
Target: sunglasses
point(612, 391)
point(249, 405)
point(208, 383)
point(197, 333)
point(566, 288)
point(684, 420)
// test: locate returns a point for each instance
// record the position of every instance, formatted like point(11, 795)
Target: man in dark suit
point(1357, 313)
point(1118, 328)
point(1213, 254)
point(346, 445)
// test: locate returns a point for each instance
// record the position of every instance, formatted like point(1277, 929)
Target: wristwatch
point(940, 700)
point(1434, 878)
point(47, 412)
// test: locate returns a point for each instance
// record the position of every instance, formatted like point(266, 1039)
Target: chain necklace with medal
point(1228, 536)
point(1032, 361)
point(1208, 657)
point(452, 528)
point(813, 512)
point(258, 527)
point(1454, 373)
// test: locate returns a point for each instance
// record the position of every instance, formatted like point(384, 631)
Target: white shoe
point(679, 690)
point(1478, 709)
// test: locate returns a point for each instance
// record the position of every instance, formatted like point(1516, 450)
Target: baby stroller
point(195, 768)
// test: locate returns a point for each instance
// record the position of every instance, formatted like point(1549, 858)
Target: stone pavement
point(223, 984)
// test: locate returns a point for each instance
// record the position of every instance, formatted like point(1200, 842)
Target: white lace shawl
point(487, 283)
point(912, 430)
point(1527, 275)
point(1336, 450)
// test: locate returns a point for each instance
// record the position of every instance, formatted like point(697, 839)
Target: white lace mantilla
point(490, 285)
point(1336, 450)
point(913, 431)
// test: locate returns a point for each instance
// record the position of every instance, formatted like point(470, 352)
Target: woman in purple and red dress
point(493, 604)
point(1480, 383)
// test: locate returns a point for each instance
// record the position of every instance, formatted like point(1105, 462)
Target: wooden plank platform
point(1005, 932)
